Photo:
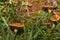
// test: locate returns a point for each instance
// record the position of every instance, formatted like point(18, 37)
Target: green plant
point(34, 27)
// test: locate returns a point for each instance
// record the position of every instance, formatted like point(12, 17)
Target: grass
point(34, 27)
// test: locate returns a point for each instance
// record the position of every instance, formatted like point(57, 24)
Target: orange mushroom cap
point(17, 25)
point(55, 18)
point(48, 6)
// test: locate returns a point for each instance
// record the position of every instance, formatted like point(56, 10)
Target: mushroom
point(49, 8)
point(16, 26)
point(55, 17)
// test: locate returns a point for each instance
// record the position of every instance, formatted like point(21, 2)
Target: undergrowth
point(34, 28)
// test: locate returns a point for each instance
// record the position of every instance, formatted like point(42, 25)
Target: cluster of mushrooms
point(50, 8)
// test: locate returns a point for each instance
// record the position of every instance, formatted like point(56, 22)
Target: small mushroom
point(55, 12)
point(49, 8)
point(55, 17)
point(16, 26)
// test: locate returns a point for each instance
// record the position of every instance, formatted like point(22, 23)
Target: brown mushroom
point(16, 26)
point(49, 8)
point(55, 17)
point(55, 12)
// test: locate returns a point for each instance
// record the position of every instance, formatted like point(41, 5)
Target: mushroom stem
point(49, 10)
point(15, 30)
